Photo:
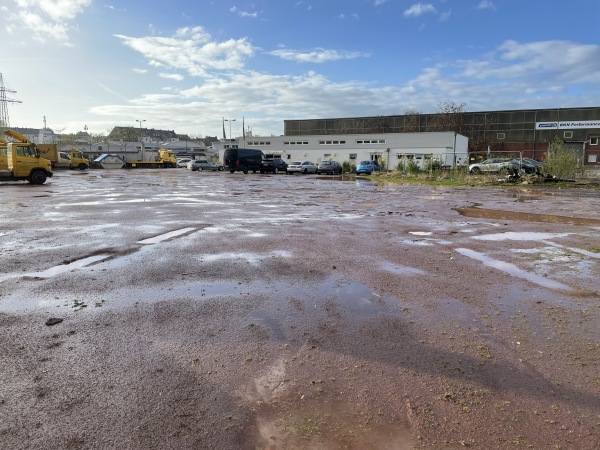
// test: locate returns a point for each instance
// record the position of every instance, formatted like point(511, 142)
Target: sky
point(188, 65)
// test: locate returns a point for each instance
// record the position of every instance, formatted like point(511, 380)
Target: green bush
point(561, 162)
point(348, 167)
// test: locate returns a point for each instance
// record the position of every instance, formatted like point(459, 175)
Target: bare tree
point(412, 121)
point(450, 117)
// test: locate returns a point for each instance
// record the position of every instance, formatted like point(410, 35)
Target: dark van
point(244, 159)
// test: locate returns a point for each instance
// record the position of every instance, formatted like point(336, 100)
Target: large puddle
point(482, 213)
point(513, 270)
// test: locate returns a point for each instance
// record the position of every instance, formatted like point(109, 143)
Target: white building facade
point(391, 149)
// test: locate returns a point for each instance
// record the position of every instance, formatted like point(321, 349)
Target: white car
point(183, 162)
point(301, 167)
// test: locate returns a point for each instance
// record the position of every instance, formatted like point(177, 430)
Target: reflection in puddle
point(400, 269)
point(252, 258)
point(57, 270)
point(164, 237)
point(513, 270)
point(421, 233)
point(417, 242)
point(519, 236)
point(528, 217)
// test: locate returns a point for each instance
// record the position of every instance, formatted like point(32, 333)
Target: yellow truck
point(72, 159)
point(164, 159)
point(23, 161)
point(3, 160)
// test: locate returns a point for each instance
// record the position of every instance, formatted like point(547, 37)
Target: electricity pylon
point(4, 101)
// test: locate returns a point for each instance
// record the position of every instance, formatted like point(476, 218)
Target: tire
point(305, 171)
point(37, 177)
point(245, 170)
point(231, 171)
point(199, 169)
point(475, 170)
point(83, 166)
point(221, 168)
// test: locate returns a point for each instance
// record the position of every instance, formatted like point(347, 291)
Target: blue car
point(367, 167)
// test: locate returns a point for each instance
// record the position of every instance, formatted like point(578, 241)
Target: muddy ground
point(231, 311)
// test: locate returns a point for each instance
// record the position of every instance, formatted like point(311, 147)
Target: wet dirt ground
point(231, 311)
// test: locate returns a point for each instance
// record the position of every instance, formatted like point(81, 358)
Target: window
point(592, 158)
point(329, 142)
point(568, 134)
point(25, 150)
point(594, 141)
point(500, 136)
point(352, 156)
point(370, 141)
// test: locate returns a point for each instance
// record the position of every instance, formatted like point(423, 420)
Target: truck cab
point(23, 161)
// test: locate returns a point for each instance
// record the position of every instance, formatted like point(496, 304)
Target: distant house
point(146, 135)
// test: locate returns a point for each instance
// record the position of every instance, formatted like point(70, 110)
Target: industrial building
point(528, 131)
point(389, 149)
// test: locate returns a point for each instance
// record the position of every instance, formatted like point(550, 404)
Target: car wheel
point(245, 170)
point(231, 171)
point(305, 171)
point(475, 170)
point(221, 168)
point(199, 169)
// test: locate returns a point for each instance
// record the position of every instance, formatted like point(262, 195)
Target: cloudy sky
point(186, 65)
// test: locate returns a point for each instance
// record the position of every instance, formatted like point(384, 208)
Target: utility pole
point(4, 120)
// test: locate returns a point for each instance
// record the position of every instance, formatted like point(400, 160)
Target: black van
point(244, 159)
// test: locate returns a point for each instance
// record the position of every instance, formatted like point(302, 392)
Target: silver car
point(493, 165)
point(301, 167)
point(203, 164)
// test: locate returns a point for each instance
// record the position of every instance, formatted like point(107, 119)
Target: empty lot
point(227, 311)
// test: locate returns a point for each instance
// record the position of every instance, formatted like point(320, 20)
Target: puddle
point(252, 258)
point(526, 217)
point(513, 270)
point(520, 236)
point(84, 262)
point(400, 269)
point(165, 236)
point(57, 270)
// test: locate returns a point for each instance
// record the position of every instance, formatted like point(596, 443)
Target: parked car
point(273, 165)
point(301, 167)
point(331, 167)
point(182, 162)
point(243, 159)
point(367, 166)
point(494, 165)
point(529, 165)
point(203, 164)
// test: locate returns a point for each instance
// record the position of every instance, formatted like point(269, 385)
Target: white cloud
point(318, 55)
point(379, 2)
point(513, 75)
point(234, 9)
point(486, 4)
point(192, 50)
point(445, 16)
point(171, 76)
point(45, 19)
point(418, 9)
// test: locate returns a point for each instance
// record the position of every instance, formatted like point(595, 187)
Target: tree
point(412, 121)
point(450, 117)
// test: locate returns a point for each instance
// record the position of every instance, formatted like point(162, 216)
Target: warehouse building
point(528, 132)
point(389, 149)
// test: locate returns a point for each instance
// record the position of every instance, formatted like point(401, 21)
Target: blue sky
point(184, 65)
